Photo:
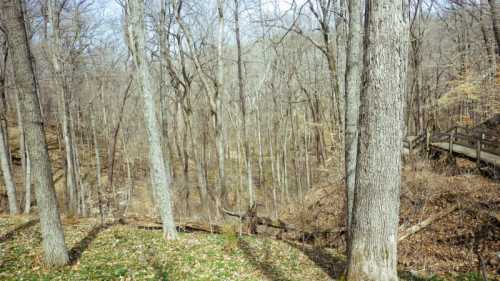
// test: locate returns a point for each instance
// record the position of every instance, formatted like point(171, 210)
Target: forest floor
point(452, 247)
point(125, 252)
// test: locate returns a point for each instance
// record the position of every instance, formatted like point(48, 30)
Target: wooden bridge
point(471, 143)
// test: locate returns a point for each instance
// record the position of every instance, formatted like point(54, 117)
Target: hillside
point(451, 246)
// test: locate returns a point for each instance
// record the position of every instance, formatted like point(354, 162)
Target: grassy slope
point(120, 252)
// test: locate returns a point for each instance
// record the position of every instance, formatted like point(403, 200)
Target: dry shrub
point(451, 244)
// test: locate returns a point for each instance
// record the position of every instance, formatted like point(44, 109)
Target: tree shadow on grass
point(76, 252)
point(265, 266)
point(330, 264)
point(11, 234)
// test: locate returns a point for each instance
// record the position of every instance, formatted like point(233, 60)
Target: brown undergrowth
point(466, 240)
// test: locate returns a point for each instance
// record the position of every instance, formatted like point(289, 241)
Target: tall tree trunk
point(55, 252)
point(218, 96)
point(97, 164)
point(163, 95)
point(352, 94)
point(25, 161)
point(158, 166)
point(241, 88)
point(373, 242)
point(112, 145)
point(341, 29)
point(5, 161)
point(7, 172)
point(61, 85)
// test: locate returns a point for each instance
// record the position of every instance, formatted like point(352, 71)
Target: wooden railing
point(466, 137)
point(469, 138)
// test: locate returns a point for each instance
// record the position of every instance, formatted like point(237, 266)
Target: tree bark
point(241, 88)
point(352, 95)
point(7, 172)
point(55, 51)
point(218, 95)
point(373, 242)
point(25, 160)
point(55, 252)
point(5, 159)
point(158, 166)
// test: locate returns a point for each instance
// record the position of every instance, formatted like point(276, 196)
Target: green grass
point(121, 252)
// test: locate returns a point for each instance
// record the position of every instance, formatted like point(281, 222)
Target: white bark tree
point(160, 179)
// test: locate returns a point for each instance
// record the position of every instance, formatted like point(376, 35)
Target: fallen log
point(286, 227)
point(423, 224)
point(182, 227)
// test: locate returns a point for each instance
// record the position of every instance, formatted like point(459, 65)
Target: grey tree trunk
point(25, 160)
point(241, 87)
point(218, 96)
point(5, 159)
point(7, 173)
point(341, 40)
point(97, 164)
point(373, 242)
point(158, 166)
point(55, 53)
point(352, 92)
point(55, 252)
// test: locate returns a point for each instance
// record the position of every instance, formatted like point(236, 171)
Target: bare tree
point(54, 8)
point(373, 242)
point(352, 94)
point(215, 91)
point(5, 161)
point(160, 179)
point(55, 252)
point(243, 107)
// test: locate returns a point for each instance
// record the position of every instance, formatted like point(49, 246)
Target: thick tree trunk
point(55, 252)
point(158, 166)
point(352, 94)
point(373, 242)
